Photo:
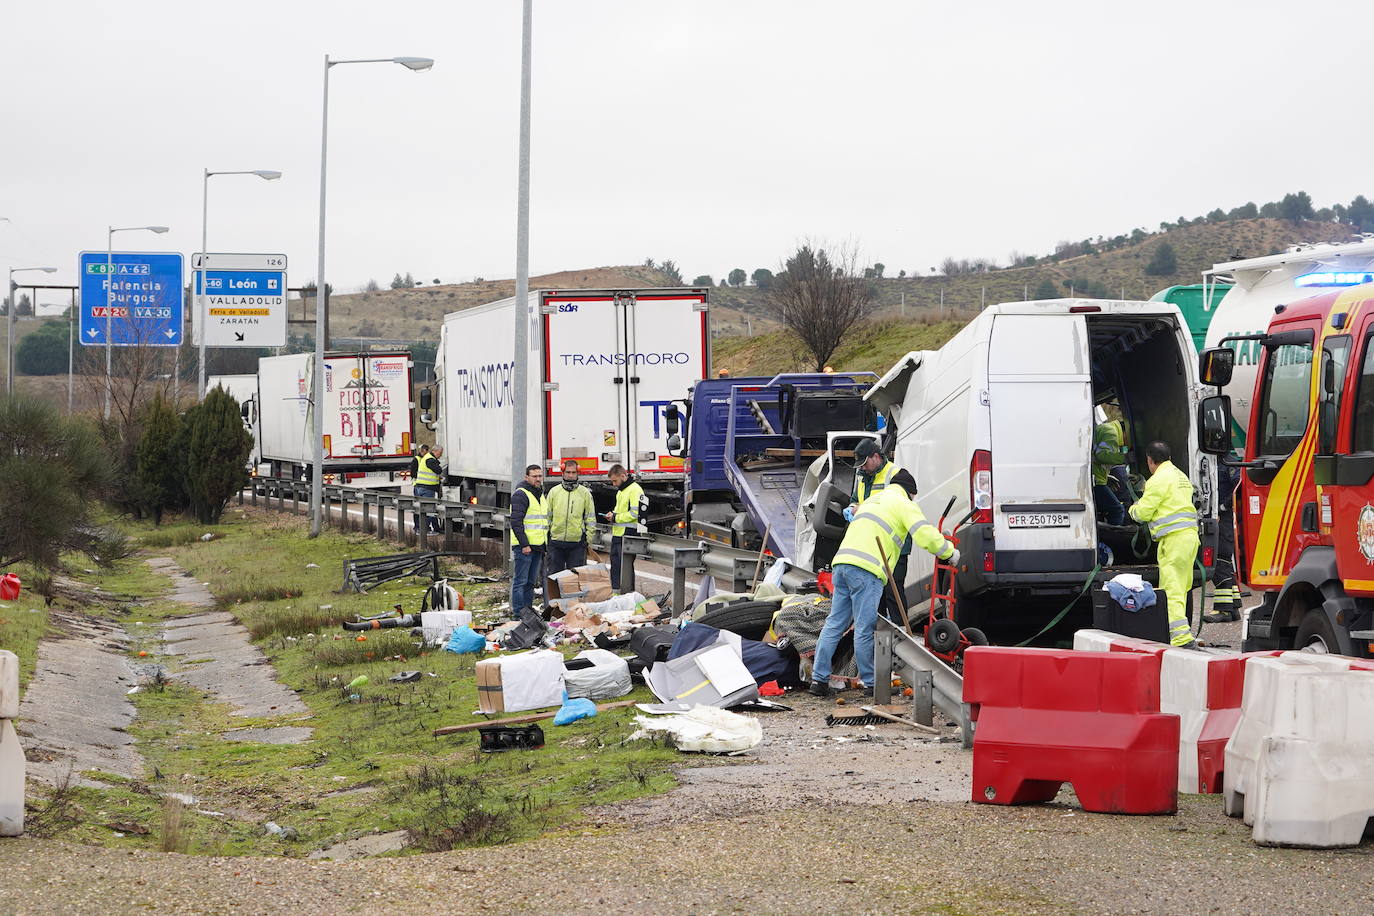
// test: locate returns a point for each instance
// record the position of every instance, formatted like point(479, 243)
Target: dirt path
point(75, 709)
point(228, 666)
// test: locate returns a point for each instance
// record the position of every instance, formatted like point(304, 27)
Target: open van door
point(1040, 402)
point(826, 491)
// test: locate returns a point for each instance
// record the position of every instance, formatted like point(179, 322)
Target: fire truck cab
point(1304, 506)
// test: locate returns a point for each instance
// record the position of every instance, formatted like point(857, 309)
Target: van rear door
point(1040, 401)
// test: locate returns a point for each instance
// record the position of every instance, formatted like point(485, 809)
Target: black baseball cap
point(866, 449)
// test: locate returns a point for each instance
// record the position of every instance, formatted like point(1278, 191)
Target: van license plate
point(1039, 520)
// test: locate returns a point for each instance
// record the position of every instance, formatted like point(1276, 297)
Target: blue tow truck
point(761, 451)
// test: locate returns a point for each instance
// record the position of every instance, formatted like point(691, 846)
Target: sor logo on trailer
point(568, 307)
point(1364, 532)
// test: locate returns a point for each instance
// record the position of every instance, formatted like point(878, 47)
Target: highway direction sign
point(244, 299)
point(142, 301)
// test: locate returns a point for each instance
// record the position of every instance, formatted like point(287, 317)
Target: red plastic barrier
point(9, 587)
point(1050, 716)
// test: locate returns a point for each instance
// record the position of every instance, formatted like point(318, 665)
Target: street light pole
point(321, 290)
point(109, 303)
point(9, 324)
point(519, 419)
point(265, 175)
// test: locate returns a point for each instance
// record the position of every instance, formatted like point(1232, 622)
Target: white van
point(1001, 420)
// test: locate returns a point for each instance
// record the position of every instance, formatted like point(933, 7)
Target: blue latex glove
point(849, 513)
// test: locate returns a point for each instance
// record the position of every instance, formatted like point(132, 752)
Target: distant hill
point(923, 324)
point(416, 314)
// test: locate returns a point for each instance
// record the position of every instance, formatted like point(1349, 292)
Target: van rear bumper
point(1018, 567)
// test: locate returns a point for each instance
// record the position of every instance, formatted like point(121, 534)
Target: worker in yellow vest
point(874, 475)
point(572, 520)
point(874, 536)
point(631, 508)
point(529, 533)
point(1166, 506)
point(429, 480)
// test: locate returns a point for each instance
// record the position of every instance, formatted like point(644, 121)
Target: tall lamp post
point(322, 288)
point(265, 175)
point(109, 302)
point(9, 324)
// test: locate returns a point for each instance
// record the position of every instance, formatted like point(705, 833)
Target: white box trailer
point(244, 389)
point(603, 367)
point(1001, 419)
point(367, 413)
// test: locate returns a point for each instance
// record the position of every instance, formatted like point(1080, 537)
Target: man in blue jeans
point(876, 534)
point(529, 535)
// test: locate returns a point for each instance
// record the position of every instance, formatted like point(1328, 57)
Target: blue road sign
point(142, 300)
point(242, 282)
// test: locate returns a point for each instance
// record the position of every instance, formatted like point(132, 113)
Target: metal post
point(200, 296)
point(9, 337)
point(109, 310)
point(317, 383)
point(71, 350)
point(519, 420)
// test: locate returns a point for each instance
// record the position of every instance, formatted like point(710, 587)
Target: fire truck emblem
point(1364, 532)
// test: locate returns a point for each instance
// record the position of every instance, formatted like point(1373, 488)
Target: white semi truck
point(368, 413)
point(603, 365)
point(1247, 292)
point(244, 389)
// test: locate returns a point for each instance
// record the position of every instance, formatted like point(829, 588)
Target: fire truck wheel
point(1315, 634)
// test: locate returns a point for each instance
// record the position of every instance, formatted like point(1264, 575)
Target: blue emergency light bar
point(1335, 278)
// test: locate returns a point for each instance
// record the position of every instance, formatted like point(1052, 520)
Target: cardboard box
point(594, 580)
point(525, 680)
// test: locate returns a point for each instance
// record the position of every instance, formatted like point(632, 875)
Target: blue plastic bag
point(572, 710)
point(464, 641)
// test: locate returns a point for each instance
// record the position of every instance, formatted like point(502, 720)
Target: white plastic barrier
point(9, 685)
point(1297, 766)
point(12, 764)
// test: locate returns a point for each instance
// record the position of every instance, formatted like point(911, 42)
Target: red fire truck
point(1304, 508)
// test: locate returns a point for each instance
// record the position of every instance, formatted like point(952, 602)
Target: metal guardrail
point(389, 513)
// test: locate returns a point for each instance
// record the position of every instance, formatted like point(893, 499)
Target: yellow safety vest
point(627, 508)
point(424, 476)
point(536, 521)
point(880, 480)
point(572, 512)
point(1166, 504)
point(878, 531)
point(1108, 450)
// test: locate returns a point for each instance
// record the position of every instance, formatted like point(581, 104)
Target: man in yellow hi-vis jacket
point(1166, 506)
point(876, 534)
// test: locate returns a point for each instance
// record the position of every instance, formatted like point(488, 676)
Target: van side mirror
point(426, 399)
point(1216, 365)
point(246, 410)
point(1214, 425)
point(1328, 374)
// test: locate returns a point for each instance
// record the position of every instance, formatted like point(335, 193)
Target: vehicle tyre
point(943, 636)
point(750, 619)
point(975, 636)
point(1315, 634)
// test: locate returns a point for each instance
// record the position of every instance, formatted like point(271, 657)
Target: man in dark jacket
point(529, 535)
point(1225, 592)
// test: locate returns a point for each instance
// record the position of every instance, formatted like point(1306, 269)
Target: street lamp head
point(48, 270)
point(267, 174)
point(158, 229)
point(414, 63)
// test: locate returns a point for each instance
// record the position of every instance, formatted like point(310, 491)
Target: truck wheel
point(749, 619)
point(1316, 635)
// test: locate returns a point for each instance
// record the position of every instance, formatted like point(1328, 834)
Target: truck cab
point(1304, 522)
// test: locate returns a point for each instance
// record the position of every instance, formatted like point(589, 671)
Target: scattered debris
point(705, 729)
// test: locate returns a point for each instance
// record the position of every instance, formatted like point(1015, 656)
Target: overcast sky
point(716, 133)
